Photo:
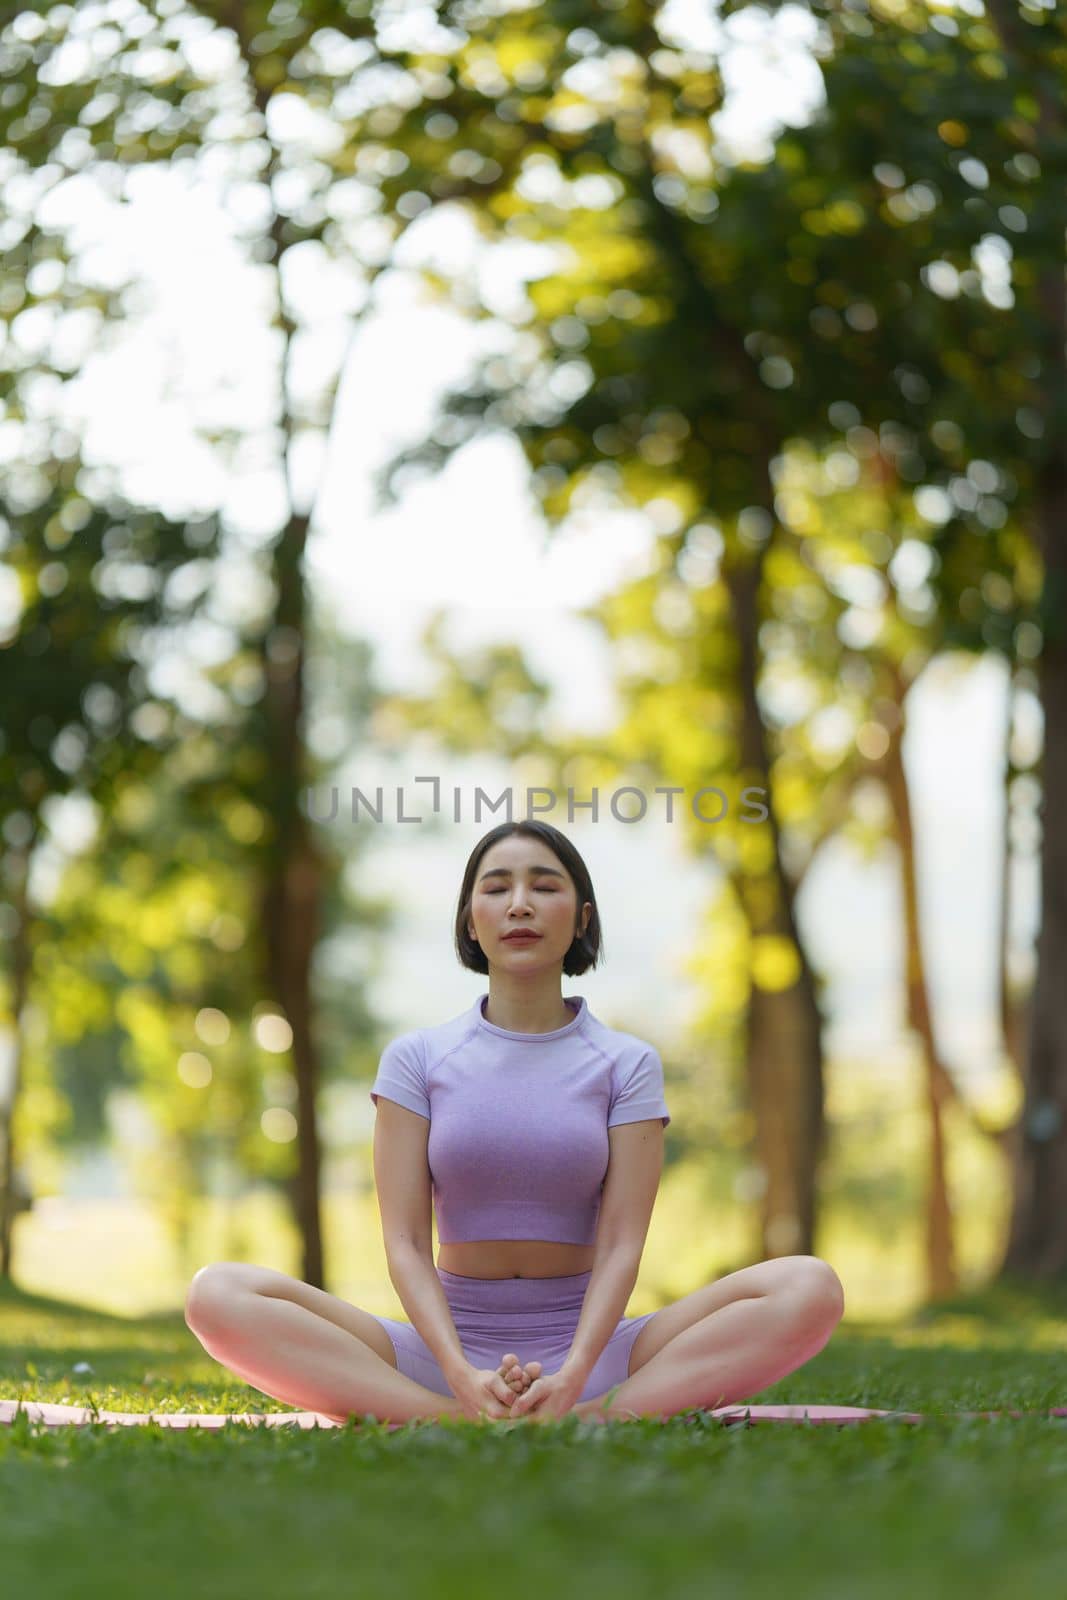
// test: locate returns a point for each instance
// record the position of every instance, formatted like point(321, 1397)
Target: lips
point(521, 938)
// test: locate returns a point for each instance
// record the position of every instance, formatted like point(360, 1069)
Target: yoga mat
point(58, 1416)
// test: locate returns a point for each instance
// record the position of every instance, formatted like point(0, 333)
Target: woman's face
point(521, 883)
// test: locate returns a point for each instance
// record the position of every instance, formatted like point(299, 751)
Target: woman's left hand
point(549, 1397)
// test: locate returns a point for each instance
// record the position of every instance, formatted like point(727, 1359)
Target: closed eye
point(544, 889)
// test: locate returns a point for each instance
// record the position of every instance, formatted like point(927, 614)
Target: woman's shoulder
point(622, 1045)
point(432, 1042)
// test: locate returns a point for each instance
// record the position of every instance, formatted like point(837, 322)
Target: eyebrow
point(505, 872)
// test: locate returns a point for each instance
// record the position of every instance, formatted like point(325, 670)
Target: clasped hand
point(548, 1397)
point(511, 1391)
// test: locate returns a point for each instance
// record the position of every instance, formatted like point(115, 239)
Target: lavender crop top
point(518, 1145)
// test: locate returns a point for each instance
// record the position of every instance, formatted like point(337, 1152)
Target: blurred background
point(443, 400)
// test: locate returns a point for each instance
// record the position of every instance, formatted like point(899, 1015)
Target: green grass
point(602, 1512)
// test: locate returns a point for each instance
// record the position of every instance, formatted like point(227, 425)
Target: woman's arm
point(414, 1277)
point(607, 1294)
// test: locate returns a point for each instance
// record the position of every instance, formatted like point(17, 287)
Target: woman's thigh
point(762, 1277)
point(613, 1365)
point(412, 1356)
point(213, 1286)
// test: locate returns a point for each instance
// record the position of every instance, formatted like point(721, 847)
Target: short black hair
point(585, 949)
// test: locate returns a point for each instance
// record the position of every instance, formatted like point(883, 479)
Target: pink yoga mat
point(57, 1416)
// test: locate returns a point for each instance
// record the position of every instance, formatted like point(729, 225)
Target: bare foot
point(518, 1378)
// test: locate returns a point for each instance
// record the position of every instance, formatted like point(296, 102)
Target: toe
point(511, 1372)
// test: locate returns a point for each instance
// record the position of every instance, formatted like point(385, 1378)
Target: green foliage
point(804, 364)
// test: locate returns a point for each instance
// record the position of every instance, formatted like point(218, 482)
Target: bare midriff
point(515, 1258)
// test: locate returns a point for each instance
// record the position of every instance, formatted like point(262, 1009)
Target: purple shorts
point(533, 1318)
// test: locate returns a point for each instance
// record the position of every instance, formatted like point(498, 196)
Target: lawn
point(690, 1507)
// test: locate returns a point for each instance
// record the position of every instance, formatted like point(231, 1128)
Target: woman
point(536, 1132)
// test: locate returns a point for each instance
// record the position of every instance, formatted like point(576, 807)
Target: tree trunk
point(20, 984)
point(292, 891)
point(1013, 1010)
point(941, 1277)
point(783, 1051)
point(1037, 1244)
point(291, 896)
point(290, 912)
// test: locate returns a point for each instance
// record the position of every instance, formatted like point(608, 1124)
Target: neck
point(526, 1006)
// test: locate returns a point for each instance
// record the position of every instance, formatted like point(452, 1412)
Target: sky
point(197, 352)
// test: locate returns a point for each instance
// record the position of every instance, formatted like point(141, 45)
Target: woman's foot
point(518, 1378)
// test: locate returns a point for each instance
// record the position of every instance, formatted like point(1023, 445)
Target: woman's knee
point(819, 1285)
point(213, 1289)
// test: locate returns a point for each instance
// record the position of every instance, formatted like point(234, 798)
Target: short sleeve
point(639, 1090)
point(401, 1074)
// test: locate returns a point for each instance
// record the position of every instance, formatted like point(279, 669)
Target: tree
point(638, 410)
point(48, 124)
point(75, 727)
